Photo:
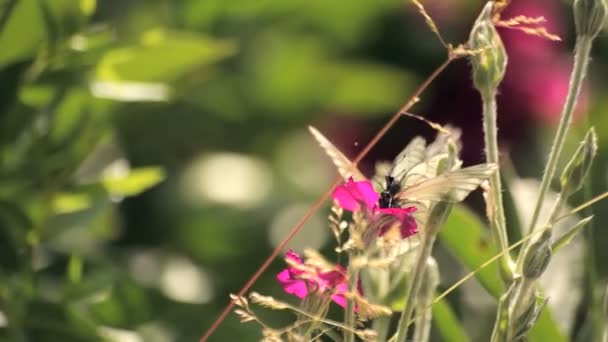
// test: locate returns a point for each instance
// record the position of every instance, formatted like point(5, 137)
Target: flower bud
point(526, 321)
point(489, 59)
point(589, 17)
point(574, 173)
point(538, 256)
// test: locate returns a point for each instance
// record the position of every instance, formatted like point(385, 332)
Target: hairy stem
point(581, 60)
point(497, 221)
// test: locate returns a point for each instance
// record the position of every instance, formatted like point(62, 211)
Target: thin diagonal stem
point(296, 228)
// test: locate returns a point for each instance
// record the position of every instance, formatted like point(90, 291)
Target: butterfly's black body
point(387, 197)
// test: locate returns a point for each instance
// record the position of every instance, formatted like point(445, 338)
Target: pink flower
point(353, 195)
point(300, 281)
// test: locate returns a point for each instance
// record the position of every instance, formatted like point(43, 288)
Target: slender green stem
point(414, 287)
point(349, 312)
point(498, 222)
point(581, 60)
point(424, 302)
point(437, 217)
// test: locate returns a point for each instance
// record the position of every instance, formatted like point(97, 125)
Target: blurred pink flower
point(352, 195)
point(539, 69)
point(300, 281)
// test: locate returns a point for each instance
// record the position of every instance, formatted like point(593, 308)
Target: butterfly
point(413, 176)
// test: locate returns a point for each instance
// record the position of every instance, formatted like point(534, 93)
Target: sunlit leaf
point(135, 182)
point(67, 202)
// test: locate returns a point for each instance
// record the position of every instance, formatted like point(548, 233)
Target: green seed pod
point(573, 176)
point(490, 58)
point(538, 256)
point(589, 17)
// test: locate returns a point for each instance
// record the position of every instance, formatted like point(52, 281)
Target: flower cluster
point(300, 279)
point(361, 196)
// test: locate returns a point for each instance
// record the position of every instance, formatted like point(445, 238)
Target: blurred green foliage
point(101, 101)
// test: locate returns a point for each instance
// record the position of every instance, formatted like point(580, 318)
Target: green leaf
point(468, 240)
point(162, 56)
point(135, 182)
point(22, 33)
point(447, 323)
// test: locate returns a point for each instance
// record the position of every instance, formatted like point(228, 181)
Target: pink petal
point(365, 191)
point(288, 277)
point(351, 194)
point(297, 288)
point(345, 199)
point(408, 227)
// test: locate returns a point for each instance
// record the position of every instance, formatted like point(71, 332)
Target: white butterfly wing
point(450, 186)
point(345, 167)
point(413, 154)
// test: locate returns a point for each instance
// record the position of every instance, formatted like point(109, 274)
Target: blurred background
point(153, 153)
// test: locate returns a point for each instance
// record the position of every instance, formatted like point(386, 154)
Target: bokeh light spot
point(183, 281)
point(313, 235)
point(227, 178)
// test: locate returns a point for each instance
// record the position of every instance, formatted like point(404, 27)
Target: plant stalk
point(424, 302)
point(581, 60)
point(442, 211)
point(498, 221)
